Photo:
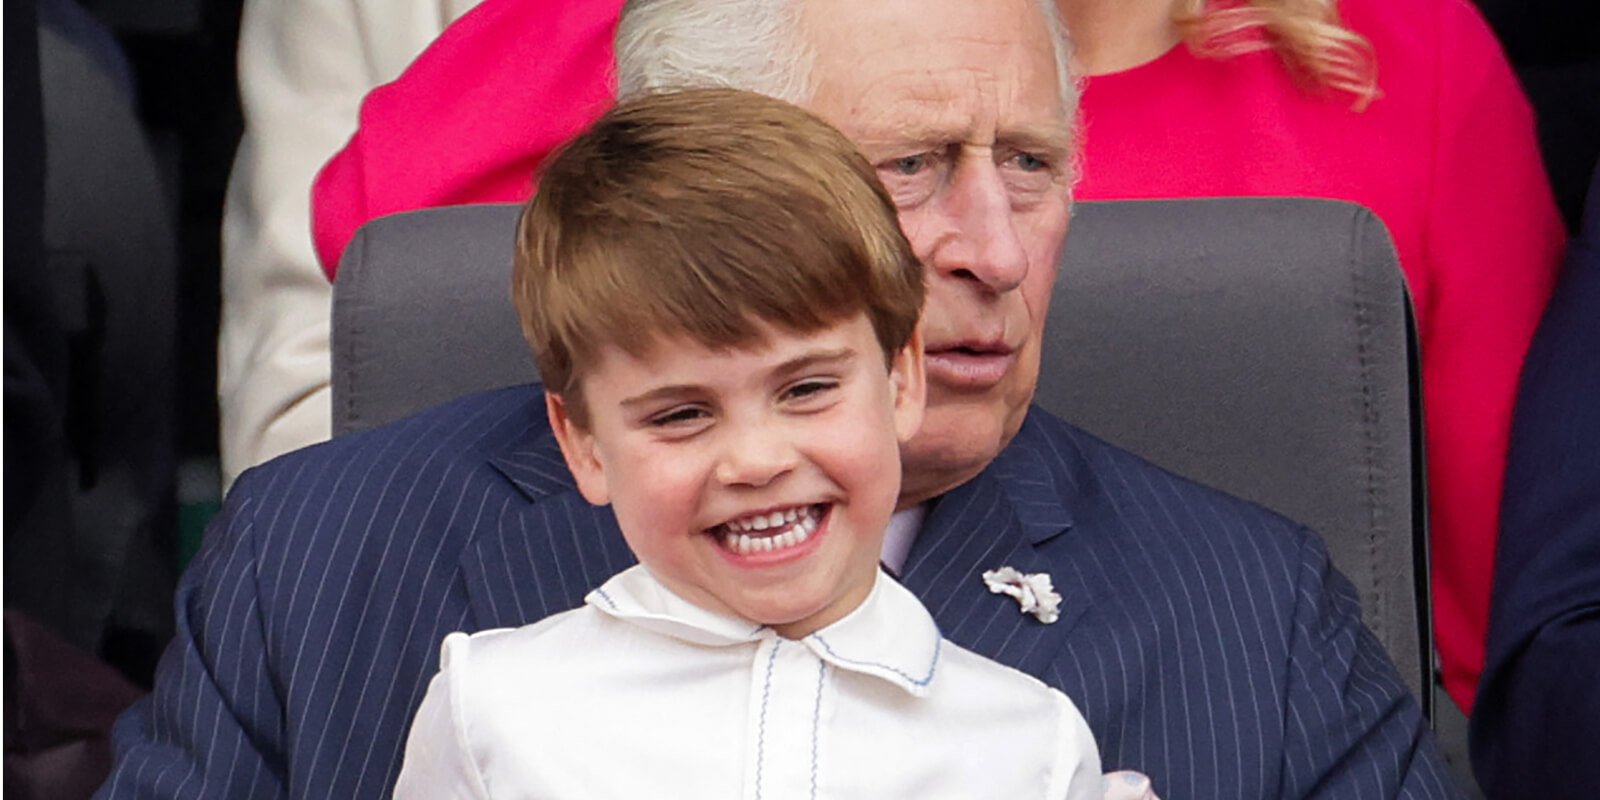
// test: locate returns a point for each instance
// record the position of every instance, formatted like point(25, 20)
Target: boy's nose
point(755, 455)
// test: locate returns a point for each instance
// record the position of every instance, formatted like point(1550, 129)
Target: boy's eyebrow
point(662, 394)
point(780, 373)
point(814, 359)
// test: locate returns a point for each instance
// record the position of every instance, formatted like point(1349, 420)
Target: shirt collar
point(899, 536)
point(634, 595)
point(891, 636)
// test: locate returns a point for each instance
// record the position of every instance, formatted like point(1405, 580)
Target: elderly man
point(1209, 643)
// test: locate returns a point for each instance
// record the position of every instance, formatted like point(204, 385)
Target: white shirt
point(641, 694)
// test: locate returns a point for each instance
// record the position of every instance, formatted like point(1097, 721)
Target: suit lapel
point(1011, 514)
point(549, 547)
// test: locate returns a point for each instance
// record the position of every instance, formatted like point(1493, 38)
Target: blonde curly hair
point(1307, 34)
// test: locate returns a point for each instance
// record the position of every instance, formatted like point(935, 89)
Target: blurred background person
point(1538, 712)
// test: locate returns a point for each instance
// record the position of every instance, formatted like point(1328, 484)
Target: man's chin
point(953, 445)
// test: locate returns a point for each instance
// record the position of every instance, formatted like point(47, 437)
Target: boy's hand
point(1126, 785)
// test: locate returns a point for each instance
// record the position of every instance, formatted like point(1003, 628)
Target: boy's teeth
point(798, 527)
point(771, 520)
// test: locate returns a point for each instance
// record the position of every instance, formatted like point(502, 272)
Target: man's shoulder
point(1128, 517)
point(1088, 474)
point(454, 441)
point(1205, 615)
point(438, 480)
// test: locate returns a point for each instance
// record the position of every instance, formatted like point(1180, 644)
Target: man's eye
point(910, 165)
point(1029, 162)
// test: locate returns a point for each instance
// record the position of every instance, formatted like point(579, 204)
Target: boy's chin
point(796, 612)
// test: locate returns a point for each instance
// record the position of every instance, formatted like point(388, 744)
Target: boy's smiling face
point(754, 481)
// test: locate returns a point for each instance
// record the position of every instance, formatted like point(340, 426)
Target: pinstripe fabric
point(1207, 642)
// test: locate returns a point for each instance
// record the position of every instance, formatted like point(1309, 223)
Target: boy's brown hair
point(705, 213)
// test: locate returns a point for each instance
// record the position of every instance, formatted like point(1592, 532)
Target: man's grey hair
point(755, 45)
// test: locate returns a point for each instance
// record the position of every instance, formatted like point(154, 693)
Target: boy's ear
point(910, 385)
point(578, 448)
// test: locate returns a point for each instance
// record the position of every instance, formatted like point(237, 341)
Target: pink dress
point(1446, 157)
point(469, 120)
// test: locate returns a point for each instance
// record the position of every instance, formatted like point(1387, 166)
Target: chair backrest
point(1262, 346)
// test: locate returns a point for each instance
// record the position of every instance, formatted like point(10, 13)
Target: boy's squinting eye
point(677, 417)
point(809, 389)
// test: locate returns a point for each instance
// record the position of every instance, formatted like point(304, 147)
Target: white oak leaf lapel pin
point(1033, 591)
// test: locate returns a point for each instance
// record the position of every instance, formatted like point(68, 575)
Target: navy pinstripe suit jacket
point(1208, 642)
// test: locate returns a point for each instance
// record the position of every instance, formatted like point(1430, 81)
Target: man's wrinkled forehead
point(926, 116)
point(938, 72)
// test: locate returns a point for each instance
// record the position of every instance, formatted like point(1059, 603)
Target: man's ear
point(910, 385)
point(578, 448)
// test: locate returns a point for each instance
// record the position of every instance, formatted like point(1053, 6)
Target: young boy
point(724, 312)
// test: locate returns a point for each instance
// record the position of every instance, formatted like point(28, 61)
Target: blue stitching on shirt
point(761, 729)
point(606, 597)
point(816, 724)
point(933, 664)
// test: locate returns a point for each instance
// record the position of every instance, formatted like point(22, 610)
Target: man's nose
point(755, 454)
point(982, 242)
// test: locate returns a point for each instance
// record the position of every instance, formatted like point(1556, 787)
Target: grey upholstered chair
point(1261, 346)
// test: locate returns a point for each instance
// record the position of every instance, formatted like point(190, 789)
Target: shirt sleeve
point(439, 757)
point(1076, 775)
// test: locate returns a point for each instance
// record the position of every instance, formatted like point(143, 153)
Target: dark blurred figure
point(38, 509)
point(60, 703)
point(1537, 721)
point(1555, 47)
point(110, 252)
point(89, 375)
